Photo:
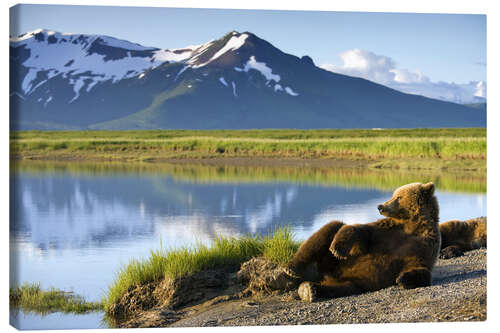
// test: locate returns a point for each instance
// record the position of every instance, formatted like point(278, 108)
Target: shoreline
point(471, 165)
point(458, 293)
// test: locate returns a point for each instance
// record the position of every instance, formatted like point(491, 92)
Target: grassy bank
point(31, 298)
point(425, 144)
point(163, 263)
point(172, 263)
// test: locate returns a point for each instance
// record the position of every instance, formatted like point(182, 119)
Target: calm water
point(73, 227)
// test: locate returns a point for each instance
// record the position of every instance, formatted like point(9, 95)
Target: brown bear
point(399, 249)
point(459, 236)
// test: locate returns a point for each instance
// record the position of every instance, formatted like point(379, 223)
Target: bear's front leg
point(313, 250)
point(414, 278)
point(343, 241)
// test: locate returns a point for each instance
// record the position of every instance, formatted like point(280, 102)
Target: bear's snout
point(380, 208)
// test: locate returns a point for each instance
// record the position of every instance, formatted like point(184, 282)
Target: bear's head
point(411, 201)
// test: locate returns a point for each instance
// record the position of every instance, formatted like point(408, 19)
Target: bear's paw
point(307, 292)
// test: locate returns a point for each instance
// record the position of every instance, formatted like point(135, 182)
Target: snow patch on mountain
point(91, 85)
point(123, 44)
point(181, 71)
point(31, 34)
point(261, 67)
point(197, 53)
point(234, 89)
point(47, 101)
point(232, 44)
point(197, 48)
point(77, 85)
point(39, 84)
point(28, 79)
point(167, 55)
point(223, 81)
point(278, 87)
point(289, 91)
point(28, 35)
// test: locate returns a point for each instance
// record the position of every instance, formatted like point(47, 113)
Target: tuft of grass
point(280, 247)
point(224, 251)
point(31, 298)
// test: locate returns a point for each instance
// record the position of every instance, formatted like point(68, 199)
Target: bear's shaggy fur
point(399, 249)
point(459, 236)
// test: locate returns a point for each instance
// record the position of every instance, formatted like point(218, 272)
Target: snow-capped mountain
point(64, 81)
point(86, 59)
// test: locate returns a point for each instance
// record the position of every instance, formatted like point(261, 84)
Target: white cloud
point(365, 64)
point(382, 69)
point(406, 76)
point(459, 93)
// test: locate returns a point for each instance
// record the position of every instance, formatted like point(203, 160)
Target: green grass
point(225, 251)
point(31, 298)
point(445, 144)
point(264, 133)
point(280, 247)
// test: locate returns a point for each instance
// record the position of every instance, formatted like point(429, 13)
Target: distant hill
point(479, 106)
point(75, 81)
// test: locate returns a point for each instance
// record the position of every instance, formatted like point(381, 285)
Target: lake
point(72, 226)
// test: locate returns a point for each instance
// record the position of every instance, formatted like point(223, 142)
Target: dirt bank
point(458, 293)
point(207, 160)
point(435, 164)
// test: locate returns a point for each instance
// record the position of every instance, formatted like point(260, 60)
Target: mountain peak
point(53, 37)
point(218, 49)
point(34, 33)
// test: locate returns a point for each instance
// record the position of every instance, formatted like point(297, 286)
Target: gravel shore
point(458, 293)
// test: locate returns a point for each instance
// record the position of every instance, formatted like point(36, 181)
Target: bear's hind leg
point(451, 251)
point(328, 288)
point(314, 249)
point(414, 278)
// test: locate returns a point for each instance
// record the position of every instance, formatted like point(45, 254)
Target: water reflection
point(72, 226)
point(56, 321)
point(63, 211)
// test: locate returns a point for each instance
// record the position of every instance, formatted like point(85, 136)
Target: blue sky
point(438, 47)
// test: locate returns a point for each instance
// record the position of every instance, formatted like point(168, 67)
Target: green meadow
point(444, 145)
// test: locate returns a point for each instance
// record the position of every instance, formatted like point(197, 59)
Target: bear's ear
point(429, 187)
